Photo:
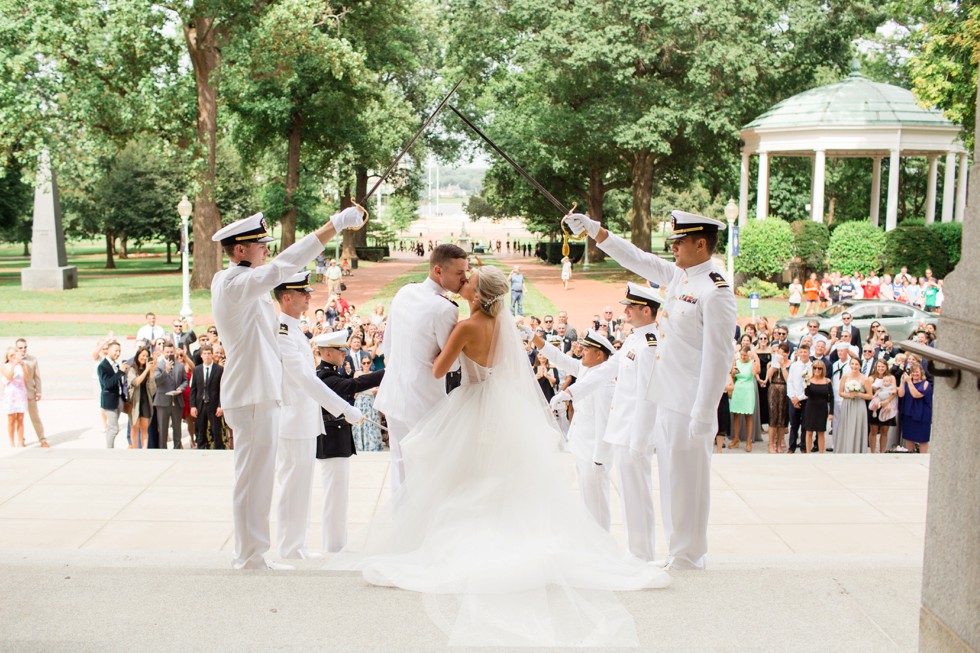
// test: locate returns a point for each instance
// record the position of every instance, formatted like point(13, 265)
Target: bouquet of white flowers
point(853, 386)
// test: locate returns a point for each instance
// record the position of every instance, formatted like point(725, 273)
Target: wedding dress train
point(487, 527)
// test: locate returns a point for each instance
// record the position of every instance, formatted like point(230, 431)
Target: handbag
point(343, 286)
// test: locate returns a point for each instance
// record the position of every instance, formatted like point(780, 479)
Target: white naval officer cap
point(638, 295)
point(247, 230)
point(686, 224)
point(299, 281)
point(332, 340)
point(597, 341)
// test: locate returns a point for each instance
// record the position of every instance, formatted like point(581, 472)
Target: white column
point(743, 192)
point(762, 194)
point(891, 208)
point(931, 189)
point(875, 190)
point(948, 187)
point(961, 190)
point(819, 179)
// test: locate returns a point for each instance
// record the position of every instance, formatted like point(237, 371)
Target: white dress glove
point(353, 415)
point(699, 429)
point(348, 218)
point(561, 397)
point(579, 222)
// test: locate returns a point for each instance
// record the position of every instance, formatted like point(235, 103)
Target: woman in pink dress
point(14, 394)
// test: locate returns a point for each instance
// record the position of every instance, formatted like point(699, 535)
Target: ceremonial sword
point(405, 149)
point(566, 234)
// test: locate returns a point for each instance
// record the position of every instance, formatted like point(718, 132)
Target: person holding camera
point(112, 375)
point(171, 379)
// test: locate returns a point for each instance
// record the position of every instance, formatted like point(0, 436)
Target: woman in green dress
point(744, 395)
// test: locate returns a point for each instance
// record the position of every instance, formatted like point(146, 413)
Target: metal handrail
point(954, 365)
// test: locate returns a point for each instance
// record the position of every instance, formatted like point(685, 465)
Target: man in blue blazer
point(112, 378)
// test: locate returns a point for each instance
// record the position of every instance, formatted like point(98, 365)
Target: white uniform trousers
point(396, 431)
point(256, 428)
point(635, 470)
point(336, 496)
point(684, 465)
point(593, 483)
point(294, 476)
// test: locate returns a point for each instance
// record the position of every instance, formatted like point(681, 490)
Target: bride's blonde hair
point(491, 290)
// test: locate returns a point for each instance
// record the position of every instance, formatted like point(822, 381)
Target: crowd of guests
point(167, 389)
point(925, 292)
point(844, 393)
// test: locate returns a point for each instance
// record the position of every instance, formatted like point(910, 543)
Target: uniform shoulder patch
point(448, 299)
point(651, 339)
point(718, 279)
point(283, 329)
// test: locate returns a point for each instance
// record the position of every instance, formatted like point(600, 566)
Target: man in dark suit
point(112, 375)
point(335, 447)
point(855, 332)
point(171, 379)
point(206, 401)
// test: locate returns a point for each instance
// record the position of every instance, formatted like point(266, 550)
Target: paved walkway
point(584, 298)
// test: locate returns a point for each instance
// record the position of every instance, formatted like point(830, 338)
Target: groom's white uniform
point(585, 433)
point(419, 323)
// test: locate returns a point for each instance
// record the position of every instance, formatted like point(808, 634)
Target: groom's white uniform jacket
point(419, 323)
point(585, 434)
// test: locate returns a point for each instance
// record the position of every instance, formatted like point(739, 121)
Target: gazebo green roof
point(853, 102)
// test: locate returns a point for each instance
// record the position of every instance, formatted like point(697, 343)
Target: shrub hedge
point(856, 247)
point(917, 247)
point(765, 247)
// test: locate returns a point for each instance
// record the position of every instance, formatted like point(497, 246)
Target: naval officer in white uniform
point(301, 421)
point(593, 456)
point(421, 317)
point(632, 417)
point(692, 365)
point(251, 387)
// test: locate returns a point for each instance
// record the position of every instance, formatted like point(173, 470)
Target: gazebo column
point(819, 180)
point(762, 200)
point(931, 189)
point(891, 208)
point(743, 191)
point(875, 190)
point(961, 190)
point(948, 187)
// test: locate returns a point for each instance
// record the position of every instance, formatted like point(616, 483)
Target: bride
point(487, 526)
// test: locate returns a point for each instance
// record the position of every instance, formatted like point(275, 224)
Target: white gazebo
point(856, 118)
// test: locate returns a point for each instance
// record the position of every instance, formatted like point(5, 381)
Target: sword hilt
point(566, 233)
point(366, 215)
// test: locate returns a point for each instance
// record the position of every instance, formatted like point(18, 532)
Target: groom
point(421, 317)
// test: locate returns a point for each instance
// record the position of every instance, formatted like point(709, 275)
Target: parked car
point(900, 319)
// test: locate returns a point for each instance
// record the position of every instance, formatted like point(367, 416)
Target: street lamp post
point(184, 210)
point(731, 212)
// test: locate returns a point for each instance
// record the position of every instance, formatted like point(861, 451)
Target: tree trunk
point(597, 193)
point(360, 190)
point(123, 246)
point(831, 207)
point(110, 263)
point(205, 58)
point(169, 258)
point(27, 252)
point(347, 245)
point(292, 181)
point(642, 192)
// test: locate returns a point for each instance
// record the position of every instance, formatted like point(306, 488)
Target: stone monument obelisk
point(49, 263)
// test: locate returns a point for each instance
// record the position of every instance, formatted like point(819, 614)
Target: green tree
point(810, 242)
point(15, 206)
point(856, 247)
point(766, 247)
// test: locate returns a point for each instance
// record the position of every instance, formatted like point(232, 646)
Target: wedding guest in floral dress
point(367, 436)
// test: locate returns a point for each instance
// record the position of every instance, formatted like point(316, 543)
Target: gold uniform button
point(657, 357)
point(665, 314)
point(685, 280)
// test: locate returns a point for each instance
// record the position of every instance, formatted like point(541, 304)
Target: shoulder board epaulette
point(718, 279)
point(651, 339)
point(449, 300)
point(283, 329)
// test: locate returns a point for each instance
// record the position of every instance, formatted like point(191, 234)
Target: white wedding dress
point(488, 528)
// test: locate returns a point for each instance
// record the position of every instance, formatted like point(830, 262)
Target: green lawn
point(26, 329)
point(535, 303)
point(105, 294)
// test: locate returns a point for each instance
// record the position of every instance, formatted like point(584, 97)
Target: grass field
point(27, 329)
